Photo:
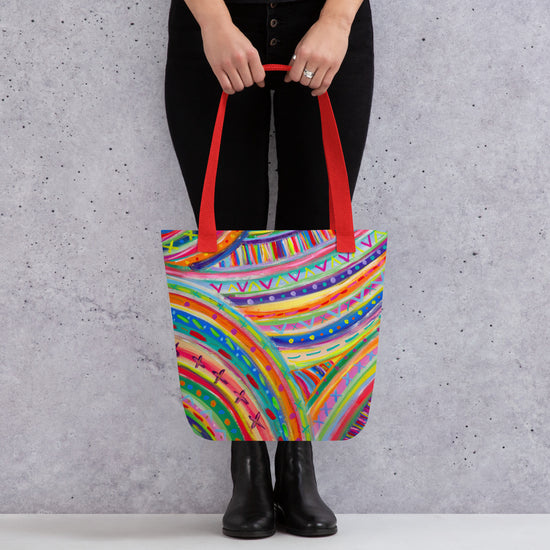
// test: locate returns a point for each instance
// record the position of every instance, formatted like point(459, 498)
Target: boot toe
point(310, 524)
point(313, 529)
point(248, 525)
point(318, 524)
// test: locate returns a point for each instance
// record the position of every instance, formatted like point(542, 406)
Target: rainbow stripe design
point(276, 333)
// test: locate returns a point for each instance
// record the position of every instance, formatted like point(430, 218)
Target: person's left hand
point(321, 50)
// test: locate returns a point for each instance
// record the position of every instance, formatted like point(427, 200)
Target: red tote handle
point(341, 215)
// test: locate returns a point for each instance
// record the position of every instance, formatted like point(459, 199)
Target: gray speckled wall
point(456, 169)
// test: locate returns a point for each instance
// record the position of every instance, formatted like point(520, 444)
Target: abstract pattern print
point(276, 333)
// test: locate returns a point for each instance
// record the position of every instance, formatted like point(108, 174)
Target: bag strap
point(340, 211)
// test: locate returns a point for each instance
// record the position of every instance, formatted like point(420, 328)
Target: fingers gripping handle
point(340, 211)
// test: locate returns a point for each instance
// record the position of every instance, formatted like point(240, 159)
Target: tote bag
point(276, 331)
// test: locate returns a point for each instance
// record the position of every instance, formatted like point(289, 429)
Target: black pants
point(192, 95)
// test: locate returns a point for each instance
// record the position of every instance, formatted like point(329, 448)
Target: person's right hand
point(234, 60)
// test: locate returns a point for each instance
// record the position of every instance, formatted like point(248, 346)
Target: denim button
point(273, 41)
point(272, 4)
point(273, 22)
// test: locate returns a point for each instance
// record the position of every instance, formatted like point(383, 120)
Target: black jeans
point(192, 95)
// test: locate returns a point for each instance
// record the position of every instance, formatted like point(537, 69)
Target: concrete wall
point(456, 169)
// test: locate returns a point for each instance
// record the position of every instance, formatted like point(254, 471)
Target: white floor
point(203, 531)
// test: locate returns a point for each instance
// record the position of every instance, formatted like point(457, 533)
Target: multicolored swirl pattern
point(276, 333)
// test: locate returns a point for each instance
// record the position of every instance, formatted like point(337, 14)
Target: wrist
point(343, 18)
point(216, 22)
point(214, 16)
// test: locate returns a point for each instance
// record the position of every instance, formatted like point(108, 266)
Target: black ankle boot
point(250, 512)
point(299, 509)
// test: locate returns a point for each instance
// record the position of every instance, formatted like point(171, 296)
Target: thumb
point(291, 62)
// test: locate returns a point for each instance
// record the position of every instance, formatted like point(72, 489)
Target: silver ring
point(308, 74)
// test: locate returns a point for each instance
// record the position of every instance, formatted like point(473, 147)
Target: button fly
point(273, 41)
point(273, 22)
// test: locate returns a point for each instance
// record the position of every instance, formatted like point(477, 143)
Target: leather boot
point(250, 512)
point(299, 509)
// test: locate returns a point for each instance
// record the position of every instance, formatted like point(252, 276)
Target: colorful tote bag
point(276, 331)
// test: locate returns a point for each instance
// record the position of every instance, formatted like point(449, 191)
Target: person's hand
point(321, 51)
point(234, 60)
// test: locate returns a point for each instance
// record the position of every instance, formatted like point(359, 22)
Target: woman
point(217, 45)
